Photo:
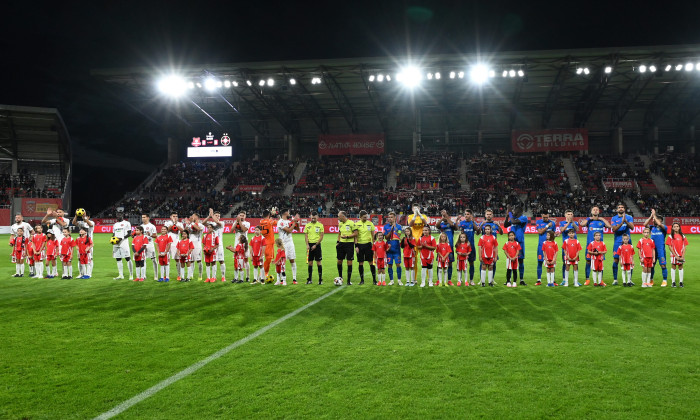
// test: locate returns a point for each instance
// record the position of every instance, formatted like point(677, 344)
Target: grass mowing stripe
point(195, 367)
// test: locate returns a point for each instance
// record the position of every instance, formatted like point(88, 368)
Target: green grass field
point(77, 348)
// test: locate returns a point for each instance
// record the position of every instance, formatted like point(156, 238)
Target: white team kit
point(57, 229)
point(245, 226)
point(120, 230)
point(25, 226)
point(286, 238)
point(218, 231)
point(174, 236)
point(196, 239)
point(149, 229)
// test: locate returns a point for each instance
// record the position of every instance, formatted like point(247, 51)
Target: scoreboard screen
point(210, 147)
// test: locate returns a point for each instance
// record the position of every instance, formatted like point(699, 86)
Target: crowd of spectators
point(579, 200)
point(669, 204)
point(441, 170)
point(523, 174)
point(274, 175)
point(347, 174)
point(593, 169)
point(23, 184)
point(680, 169)
point(187, 177)
point(255, 205)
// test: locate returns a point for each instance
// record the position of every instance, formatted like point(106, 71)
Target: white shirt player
point(149, 229)
point(88, 226)
point(195, 236)
point(245, 225)
point(286, 237)
point(218, 232)
point(58, 229)
point(120, 230)
point(24, 225)
point(174, 236)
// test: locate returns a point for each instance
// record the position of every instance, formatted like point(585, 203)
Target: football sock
point(566, 277)
point(120, 267)
point(521, 268)
point(539, 270)
point(294, 270)
point(430, 275)
point(340, 270)
point(40, 269)
point(615, 267)
point(70, 270)
point(673, 275)
point(653, 271)
point(494, 267)
point(284, 276)
point(311, 271)
point(373, 270)
point(600, 276)
point(235, 274)
point(167, 271)
point(361, 270)
point(81, 269)
point(680, 275)
point(398, 271)
point(91, 264)
point(208, 271)
point(349, 272)
point(423, 272)
point(483, 276)
point(200, 268)
point(508, 274)
point(449, 272)
point(563, 269)
point(320, 272)
point(471, 272)
point(16, 268)
point(223, 269)
point(21, 269)
point(391, 272)
point(439, 275)
point(588, 270)
point(155, 268)
point(664, 272)
point(491, 273)
point(576, 275)
point(130, 264)
point(255, 273)
point(213, 270)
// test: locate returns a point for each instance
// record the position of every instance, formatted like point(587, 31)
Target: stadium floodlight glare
point(668, 67)
point(270, 82)
point(586, 71)
point(172, 85)
point(452, 75)
point(227, 83)
point(371, 78)
point(190, 85)
point(199, 85)
point(689, 67)
point(410, 76)
point(234, 83)
point(380, 78)
point(438, 75)
point(492, 73)
point(479, 74)
point(209, 84)
point(579, 70)
point(652, 68)
point(261, 83)
point(219, 84)
point(315, 80)
point(249, 83)
point(697, 66)
point(292, 81)
point(430, 76)
point(388, 78)
point(679, 67)
point(505, 73)
point(511, 73)
point(460, 75)
point(521, 73)
point(608, 70)
point(642, 68)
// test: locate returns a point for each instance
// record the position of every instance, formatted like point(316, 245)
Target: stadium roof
point(33, 134)
point(635, 88)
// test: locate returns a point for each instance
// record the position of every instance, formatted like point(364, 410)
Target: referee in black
point(313, 234)
point(345, 247)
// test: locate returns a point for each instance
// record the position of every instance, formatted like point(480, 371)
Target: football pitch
point(80, 348)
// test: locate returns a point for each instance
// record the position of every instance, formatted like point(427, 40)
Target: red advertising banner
point(247, 188)
point(564, 140)
point(5, 217)
point(350, 144)
point(36, 207)
point(618, 183)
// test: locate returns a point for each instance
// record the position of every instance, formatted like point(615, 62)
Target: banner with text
point(563, 140)
point(36, 207)
point(350, 144)
point(625, 184)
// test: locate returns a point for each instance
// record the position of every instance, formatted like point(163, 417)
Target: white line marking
point(195, 367)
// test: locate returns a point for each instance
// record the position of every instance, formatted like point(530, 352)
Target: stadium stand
point(680, 170)
point(274, 175)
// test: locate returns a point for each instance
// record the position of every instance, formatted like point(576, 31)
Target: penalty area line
point(195, 367)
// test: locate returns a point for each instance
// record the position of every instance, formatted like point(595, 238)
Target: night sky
point(48, 51)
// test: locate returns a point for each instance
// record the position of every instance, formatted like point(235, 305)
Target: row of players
point(354, 236)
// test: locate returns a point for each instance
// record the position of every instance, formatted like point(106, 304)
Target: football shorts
point(365, 253)
point(345, 251)
point(119, 251)
point(315, 254)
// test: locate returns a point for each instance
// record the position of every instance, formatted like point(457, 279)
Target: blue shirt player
point(566, 225)
point(658, 235)
point(447, 226)
point(468, 226)
point(392, 233)
point(496, 229)
point(543, 225)
point(595, 224)
point(621, 224)
point(518, 223)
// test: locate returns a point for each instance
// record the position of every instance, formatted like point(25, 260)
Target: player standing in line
point(210, 244)
point(417, 222)
point(512, 249)
point(496, 230)
point(597, 250)
point(84, 222)
point(268, 232)
point(217, 227)
point(677, 243)
point(174, 229)
point(447, 226)
point(549, 253)
point(427, 248)
point(51, 255)
point(56, 225)
point(196, 230)
point(468, 226)
point(646, 256)
point(444, 252)
point(39, 242)
point(658, 235)
point(84, 244)
point(392, 233)
point(240, 228)
point(184, 256)
point(27, 232)
point(19, 251)
point(518, 223)
point(280, 262)
point(285, 228)
point(345, 245)
point(379, 249)
point(257, 250)
point(239, 257)
point(566, 225)
point(149, 230)
point(165, 243)
point(122, 231)
point(543, 226)
point(626, 253)
point(571, 247)
point(488, 246)
point(363, 246)
point(139, 244)
point(313, 235)
point(621, 224)
point(408, 245)
point(66, 250)
point(595, 223)
point(464, 251)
